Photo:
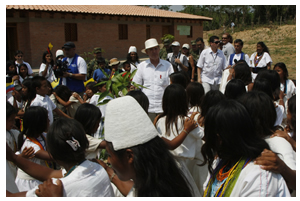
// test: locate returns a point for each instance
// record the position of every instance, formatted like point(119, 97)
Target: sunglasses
point(217, 42)
point(224, 38)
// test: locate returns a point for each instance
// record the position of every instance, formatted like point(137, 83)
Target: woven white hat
point(127, 124)
point(152, 42)
point(59, 53)
point(175, 43)
point(186, 46)
point(132, 49)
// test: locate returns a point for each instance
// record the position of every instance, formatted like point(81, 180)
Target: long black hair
point(264, 46)
point(234, 89)
point(261, 110)
point(261, 84)
point(156, 172)
point(210, 99)
point(292, 111)
point(230, 134)
point(59, 132)
point(35, 122)
point(274, 80)
point(174, 105)
point(242, 72)
point(141, 98)
point(128, 58)
point(44, 59)
point(63, 92)
point(30, 91)
point(88, 115)
point(195, 94)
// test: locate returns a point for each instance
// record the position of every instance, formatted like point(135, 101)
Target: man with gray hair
point(154, 75)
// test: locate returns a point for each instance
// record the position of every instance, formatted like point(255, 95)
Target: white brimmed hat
point(113, 61)
point(152, 42)
point(127, 124)
point(59, 53)
point(186, 46)
point(175, 43)
point(132, 49)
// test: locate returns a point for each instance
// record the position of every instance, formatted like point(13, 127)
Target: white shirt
point(279, 113)
point(228, 49)
point(284, 150)
point(92, 151)
point(81, 65)
point(28, 67)
point(102, 108)
point(262, 63)
point(89, 179)
point(50, 73)
point(11, 169)
point(238, 57)
point(212, 65)
point(189, 146)
point(44, 102)
point(156, 79)
point(133, 67)
point(290, 88)
point(183, 59)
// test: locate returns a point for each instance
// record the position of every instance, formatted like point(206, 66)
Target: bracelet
point(112, 176)
point(280, 99)
point(185, 131)
point(70, 75)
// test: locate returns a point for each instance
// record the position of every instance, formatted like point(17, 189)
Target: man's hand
point(48, 189)
point(268, 160)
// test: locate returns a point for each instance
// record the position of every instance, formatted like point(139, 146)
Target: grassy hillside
point(281, 41)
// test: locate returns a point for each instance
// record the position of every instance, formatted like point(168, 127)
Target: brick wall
point(36, 30)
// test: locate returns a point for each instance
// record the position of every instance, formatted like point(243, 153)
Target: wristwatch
point(70, 74)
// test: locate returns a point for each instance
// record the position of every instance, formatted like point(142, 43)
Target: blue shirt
point(98, 74)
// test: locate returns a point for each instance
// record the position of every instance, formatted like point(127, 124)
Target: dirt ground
point(281, 41)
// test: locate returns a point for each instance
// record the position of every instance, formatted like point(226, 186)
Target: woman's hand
point(189, 123)
point(48, 189)
point(268, 160)
point(28, 153)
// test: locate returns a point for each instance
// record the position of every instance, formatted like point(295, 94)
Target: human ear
point(129, 156)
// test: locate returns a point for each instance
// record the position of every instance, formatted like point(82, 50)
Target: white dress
point(24, 181)
point(89, 179)
point(186, 151)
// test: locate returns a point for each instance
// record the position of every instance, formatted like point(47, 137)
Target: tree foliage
point(242, 14)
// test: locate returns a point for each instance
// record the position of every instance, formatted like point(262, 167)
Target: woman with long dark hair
point(133, 58)
point(46, 66)
point(261, 59)
point(236, 145)
point(171, 123)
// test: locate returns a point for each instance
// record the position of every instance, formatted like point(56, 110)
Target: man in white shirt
point(76, 74)
point(154, 75)
point(238, 55)
point(211, 63)
point(178, 60)
point(227, 47)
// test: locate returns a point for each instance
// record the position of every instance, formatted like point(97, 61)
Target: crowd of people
point(207, 121)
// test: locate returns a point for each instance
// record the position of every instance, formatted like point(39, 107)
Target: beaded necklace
point(73, 168)
point(232, 176)
point(258, 58)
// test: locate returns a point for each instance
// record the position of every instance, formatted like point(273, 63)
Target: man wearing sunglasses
point(210, 65)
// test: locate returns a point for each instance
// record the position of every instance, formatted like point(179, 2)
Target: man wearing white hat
point(178, 60)
point(154, 75)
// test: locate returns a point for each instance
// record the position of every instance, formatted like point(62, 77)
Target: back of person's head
point(172, 108)
point(18, 52)
point(262, 84)
point(283, 67)
point(242, 72)
point(163, 179)
point(239, 41)
point(195, 93)
point(89, 116)
point(273, 78)
point(63, 92)
point(292, 112)
point(37, 81)
point(212, 39)
point(66, 141)
point(261, 110)
point(210, 99)
point(264, 46)
point(91, 85)
point(234, 89)
point(35, 122)
point(230, 134)
point(178, 78)
point(141, 98)
point(10, 110)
